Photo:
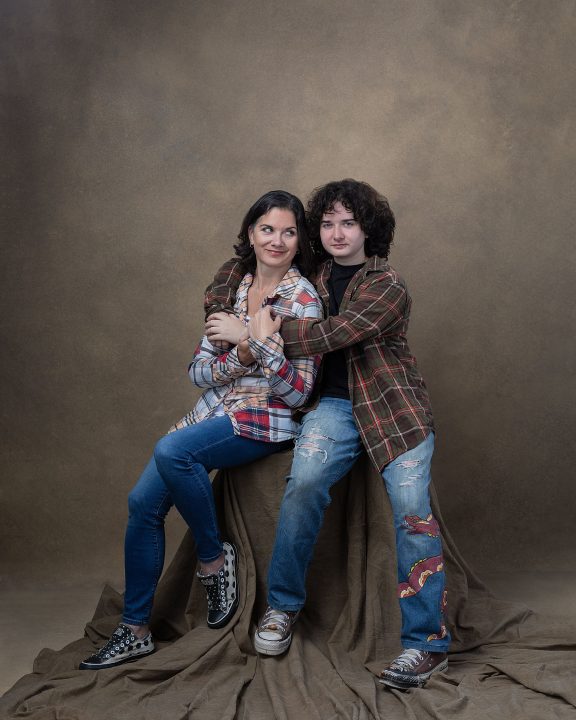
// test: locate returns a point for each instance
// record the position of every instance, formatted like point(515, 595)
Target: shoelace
point(407, 660)
point(217, 592)
point(275, 620)
point(118, 641)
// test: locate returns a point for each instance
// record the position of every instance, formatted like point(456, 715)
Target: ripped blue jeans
point(328, 446)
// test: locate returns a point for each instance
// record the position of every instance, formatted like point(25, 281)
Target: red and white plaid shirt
point(259, 398)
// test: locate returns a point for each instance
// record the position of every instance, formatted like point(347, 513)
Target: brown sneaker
point(274, 633)
point(412, 668)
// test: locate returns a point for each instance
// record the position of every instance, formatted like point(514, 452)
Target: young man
point(371, 397)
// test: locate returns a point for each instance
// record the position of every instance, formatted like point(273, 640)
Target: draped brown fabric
point(506, 663)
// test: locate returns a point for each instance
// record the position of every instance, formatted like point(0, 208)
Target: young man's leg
point(325, 451)
point(421, 577)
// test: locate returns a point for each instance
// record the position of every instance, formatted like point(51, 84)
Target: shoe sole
point(418, 682)
point(86, 666)
point(271, 647)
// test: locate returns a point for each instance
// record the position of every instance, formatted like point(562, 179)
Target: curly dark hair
point(305, 260)
point(370, 209)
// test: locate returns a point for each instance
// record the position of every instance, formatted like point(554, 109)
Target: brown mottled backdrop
point(135, 136)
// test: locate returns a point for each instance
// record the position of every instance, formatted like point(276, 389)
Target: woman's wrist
point(244, 354)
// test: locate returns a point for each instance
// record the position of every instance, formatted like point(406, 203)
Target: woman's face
point(275, 239)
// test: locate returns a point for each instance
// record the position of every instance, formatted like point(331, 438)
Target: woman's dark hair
point(304, 260)
point(370, 209)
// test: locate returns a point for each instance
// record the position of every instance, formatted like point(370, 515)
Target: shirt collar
point(372, 264)
point(284, 289)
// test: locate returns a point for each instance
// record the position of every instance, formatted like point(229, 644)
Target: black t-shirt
point(335, 372)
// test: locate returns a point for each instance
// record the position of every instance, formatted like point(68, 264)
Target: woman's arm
point(290, 380)
point(211, 366)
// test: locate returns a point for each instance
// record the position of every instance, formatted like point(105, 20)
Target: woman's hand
point(262, 325)
point(225, 327)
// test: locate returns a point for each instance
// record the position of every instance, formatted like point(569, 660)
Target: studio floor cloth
point(506, 663)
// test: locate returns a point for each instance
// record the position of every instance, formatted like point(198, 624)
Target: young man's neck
point(345, 262)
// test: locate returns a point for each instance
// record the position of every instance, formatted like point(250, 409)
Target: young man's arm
point(379, 306)
point(221, 293)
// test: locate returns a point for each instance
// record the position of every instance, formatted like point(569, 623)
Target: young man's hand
point(225, 327)
point(262, 324)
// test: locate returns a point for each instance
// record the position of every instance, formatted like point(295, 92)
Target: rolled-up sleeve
point(211, 367)
point(290, 380)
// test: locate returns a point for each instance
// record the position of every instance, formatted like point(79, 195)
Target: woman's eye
point(291, 233)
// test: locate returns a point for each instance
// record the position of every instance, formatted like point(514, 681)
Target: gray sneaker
point(412, 668)
point(274, 633)
point(122, 647)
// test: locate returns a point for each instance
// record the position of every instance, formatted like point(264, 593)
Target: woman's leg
point(185, 457)
point(148, 504)
point(178, 474)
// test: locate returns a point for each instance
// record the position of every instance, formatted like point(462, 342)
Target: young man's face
point(342, 236)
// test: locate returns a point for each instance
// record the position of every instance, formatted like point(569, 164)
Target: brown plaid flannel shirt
point(389, 398)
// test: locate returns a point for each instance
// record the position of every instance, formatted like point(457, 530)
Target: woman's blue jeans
point(326, 450)
point(177, 475)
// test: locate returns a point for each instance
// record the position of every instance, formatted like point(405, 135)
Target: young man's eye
point(350, 223)
point(326, 225)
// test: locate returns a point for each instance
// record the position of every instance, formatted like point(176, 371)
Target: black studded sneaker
point(122, 647)
point(222, 590)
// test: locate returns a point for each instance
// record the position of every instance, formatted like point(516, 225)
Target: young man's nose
point(338, 234)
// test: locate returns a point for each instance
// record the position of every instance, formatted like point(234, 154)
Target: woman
point(244, 414)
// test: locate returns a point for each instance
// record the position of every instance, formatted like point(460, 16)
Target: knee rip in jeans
point(409, 465)
point(307, 444)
